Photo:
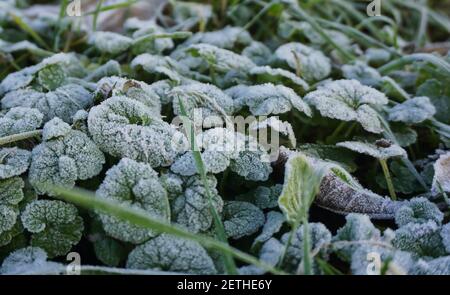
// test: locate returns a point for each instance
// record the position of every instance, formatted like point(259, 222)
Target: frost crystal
point(64, 156)
point(445, 235)
point(10, 195)
point(413, 111)
point(30, 260)
point(169, 253)
point(191, 209)
point(363, 73)
point(349, 100)
point(266, 99)
point(135, 185)
point(110, 42)
point(438, 266)
point(319, 237)
point(13, 162)
point(206, 98)
point(257, 52)
point(266, 74)
point(124, 127)
point(164, 65)
point(18, 120)
point(226, 38)
point(423, 239)
point(270, 254)
point(273, 224)
point(63, 102)
point(282, 127)
point(374, 150)
point(56, 226)
point(418, 210)
point(241, 219)
point(312, 64)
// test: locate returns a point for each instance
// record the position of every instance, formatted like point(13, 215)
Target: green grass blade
point(19, 136)
point(89, 201)
point(220, 230)
point(29, 30)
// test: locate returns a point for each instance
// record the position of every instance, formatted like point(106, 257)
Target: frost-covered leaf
point(205, 98)
point(24, 77)
point(64, 156)
point(13, 162)
point(63, 102)
point(221, 60)
point(278, 126)
point(357, 228)
point(30, 260)
point(263, 197)
point(266, 74)
point(413, 111)
point(252, 165)
point(404, 135)
point(273, 224)
point(169, 253)
point(125, 127)
point(51, 77)
point(138, 90)
point(136, 185)
point(301, 185)
point(160, 65)
point(377, 150)
point(312, 64)
point(258, 52)
point(349, 100)
point(110, 68)
point(377, 56)
point(110, 42)
point(439, 96)
point(55, 226)
point(10, 195)
point(19, 119)
point(438, 266)
point(399, 261)
point(441, 179)
point(266, 99)
point(270, 254)
point(422, 239)
point(227, 38)
point(418, 210)
point(319, 237)
point(191, 209)
point(241, 219)
point(331, 153)
point(445, 235)
point(362, 73)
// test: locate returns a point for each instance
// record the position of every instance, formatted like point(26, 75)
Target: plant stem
point(19, 136)
point(89, 201)
point(388, 178)
point(336, 132)
point(288, 244)
point(307, 261)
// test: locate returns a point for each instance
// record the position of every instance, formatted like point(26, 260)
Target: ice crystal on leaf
point(319, 237)
point(169, 253)
point(422, 239)
point(273, 224)
point(281, 127)
point(312, 64)
point(362, 73)
point(191, 209)
point(110, 42)
point(266, 99)
point(19, 119)
point(445, 235)
point(205, 98)
point(418, 210)
point(125, 127)
point(438, 266)
point(10, 195)
point(135, 185)
point(13, 162)
point(64, 156)
point(63, 102)
point(270, 254)
point(226, 38)
point(413, 111)
point(374, 150)
point(160, 65)
point(241, 219)
point(266, 74)
point(30, 261)
point(258, 52)
point(55, 226)
point(349, 100)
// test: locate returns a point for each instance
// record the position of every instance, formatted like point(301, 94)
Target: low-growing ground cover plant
point(237, 137)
